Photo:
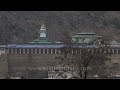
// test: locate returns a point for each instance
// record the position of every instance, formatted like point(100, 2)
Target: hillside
point(23, 26)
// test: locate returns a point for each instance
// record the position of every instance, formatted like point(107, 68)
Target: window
point(110, 51)
point(29, 51)
point(115, 51)
point(21, 51)
point(9, 50)
point(83, 40)
point(25, 51)
point(77, 40)
point(41, 51)
point(18, 51)
point(106, 51)
point(33, 51)
point(57, 51)
point(37, 51)
point(53, 51)
point(49, 51)
point(45, 51)
point(13, 50)
point(62, 51)
point(74, 51)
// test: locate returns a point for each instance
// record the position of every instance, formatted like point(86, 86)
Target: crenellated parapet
point(54, 49)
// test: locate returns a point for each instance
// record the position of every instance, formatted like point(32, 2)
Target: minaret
point(42, 31)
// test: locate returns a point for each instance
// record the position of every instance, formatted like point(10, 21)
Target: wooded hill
point(23, 26)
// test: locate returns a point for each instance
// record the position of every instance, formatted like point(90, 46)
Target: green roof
point(114, 42)
point(86, 36)
point(41, 40)
point(86, 33)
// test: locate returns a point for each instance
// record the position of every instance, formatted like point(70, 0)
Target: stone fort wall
point(22, 62)
point(3, 64)
point(14, 62)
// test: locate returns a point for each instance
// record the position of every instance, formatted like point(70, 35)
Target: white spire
point(43, 31)
point(43, 28)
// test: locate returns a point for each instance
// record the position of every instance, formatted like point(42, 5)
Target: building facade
point(87, 37)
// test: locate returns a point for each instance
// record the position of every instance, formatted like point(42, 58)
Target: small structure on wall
point(43, 37)
point(87, 37)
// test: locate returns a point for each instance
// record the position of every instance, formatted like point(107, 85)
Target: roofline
point(86, 36)
point(52, 46)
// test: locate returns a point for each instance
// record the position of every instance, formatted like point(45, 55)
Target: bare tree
point(89, 59)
